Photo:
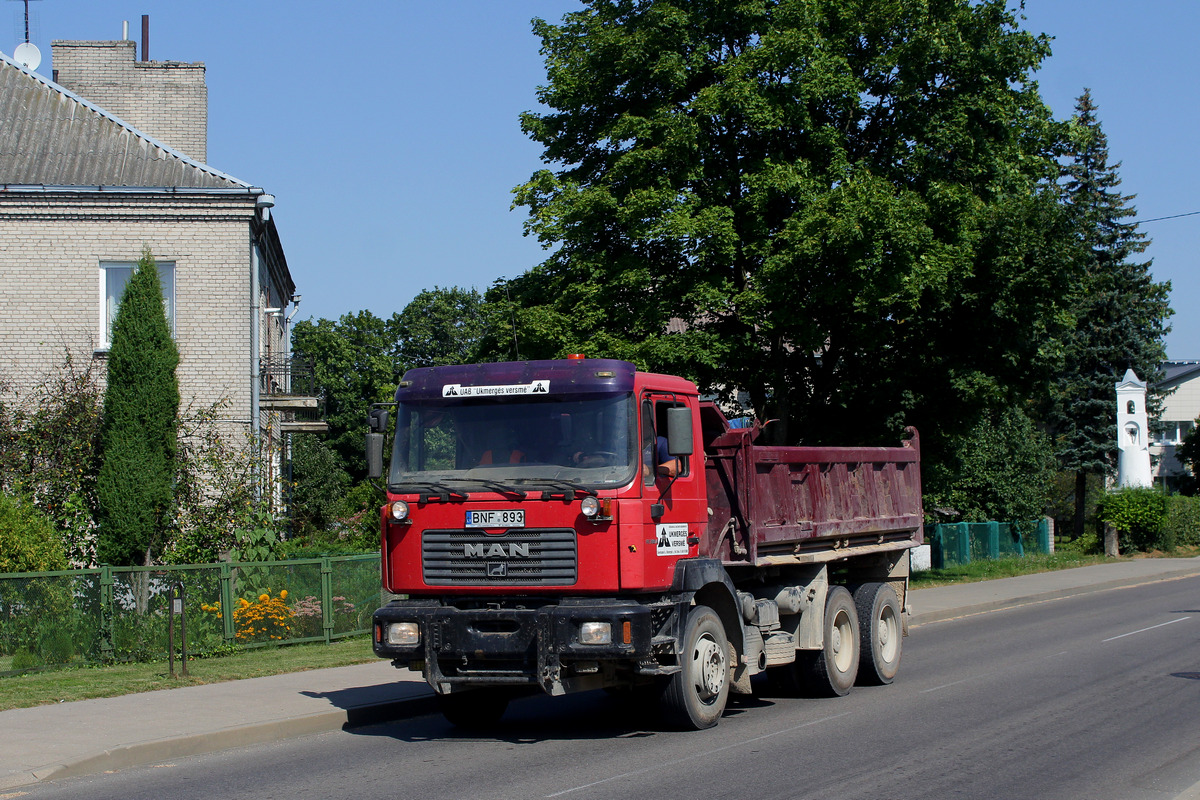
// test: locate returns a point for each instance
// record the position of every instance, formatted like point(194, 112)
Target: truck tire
point(474, 709)
point(832, 669)
point(881, 632)
point(694, 698)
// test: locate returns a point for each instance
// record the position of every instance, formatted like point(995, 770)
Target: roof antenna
point(27, 54)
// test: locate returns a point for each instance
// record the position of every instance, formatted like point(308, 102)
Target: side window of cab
point(657, 462)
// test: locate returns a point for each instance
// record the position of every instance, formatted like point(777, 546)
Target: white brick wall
point(50, 291)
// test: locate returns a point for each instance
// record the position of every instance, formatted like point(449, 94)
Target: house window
point(114, 275)
point(1175, 432)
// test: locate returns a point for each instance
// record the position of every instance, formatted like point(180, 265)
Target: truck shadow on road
point(539, 718)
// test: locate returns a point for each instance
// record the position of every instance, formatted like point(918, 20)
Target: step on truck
point(577, 524)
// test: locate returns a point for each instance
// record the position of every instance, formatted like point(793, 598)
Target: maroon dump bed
point(788, 505)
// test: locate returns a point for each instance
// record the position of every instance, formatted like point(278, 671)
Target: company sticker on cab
point(672, 538)
point(458, 390)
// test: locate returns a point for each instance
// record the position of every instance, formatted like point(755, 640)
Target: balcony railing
point(287, 385)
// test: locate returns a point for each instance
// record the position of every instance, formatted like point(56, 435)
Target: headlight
point(595, 633)
point(403, 634)
point(398, 511)
point(590, 506)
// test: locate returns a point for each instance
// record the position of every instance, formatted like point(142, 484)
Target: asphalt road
point(1091, 697)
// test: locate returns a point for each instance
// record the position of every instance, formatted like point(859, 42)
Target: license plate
point(514, 518)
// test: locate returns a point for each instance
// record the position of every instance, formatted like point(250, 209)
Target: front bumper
point(492, 644)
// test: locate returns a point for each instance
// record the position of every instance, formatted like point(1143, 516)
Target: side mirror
point(377, 420)
point(679, 431)
point(374, 455)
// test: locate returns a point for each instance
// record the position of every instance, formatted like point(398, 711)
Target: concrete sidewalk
point(91, 736)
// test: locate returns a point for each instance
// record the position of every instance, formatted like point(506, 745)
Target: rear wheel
point(832, 669)
point(881, 632)
point(474, 709)
point(695, 697)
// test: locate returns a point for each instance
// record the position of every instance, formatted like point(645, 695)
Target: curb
point(1057, 594)
point(150, 752)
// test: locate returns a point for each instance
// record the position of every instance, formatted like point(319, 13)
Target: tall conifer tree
point(138, 432)
point(1120, 311)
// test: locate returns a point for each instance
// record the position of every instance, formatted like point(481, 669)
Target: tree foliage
point(1119, 313)
point(28, 540)
point(1002, 471)
point(138, 430)
point(49, 439)
point(846, 206)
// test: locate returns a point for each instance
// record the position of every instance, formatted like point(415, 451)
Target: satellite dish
point(27, 55)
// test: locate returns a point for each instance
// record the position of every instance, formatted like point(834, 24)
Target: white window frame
point(166, 276)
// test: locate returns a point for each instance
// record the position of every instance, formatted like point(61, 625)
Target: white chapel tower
point(1133, 435)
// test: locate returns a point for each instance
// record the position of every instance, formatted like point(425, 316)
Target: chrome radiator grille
point(525, 557)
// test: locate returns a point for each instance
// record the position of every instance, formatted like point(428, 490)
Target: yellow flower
point(262, 598)
point(283, 594)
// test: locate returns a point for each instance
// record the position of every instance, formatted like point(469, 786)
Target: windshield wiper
point(427, 491)
point(496, 486)
point(566, 489)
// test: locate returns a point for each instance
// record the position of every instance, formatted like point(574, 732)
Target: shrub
point(28, 540)
point(24, 659)
point(1183, 519)
point(1139, 515)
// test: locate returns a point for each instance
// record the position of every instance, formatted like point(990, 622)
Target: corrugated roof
point(52, 137)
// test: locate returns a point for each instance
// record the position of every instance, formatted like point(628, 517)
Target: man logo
point(497, 569)
point(496, 550)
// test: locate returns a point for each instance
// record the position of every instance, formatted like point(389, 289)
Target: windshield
point(519, 442)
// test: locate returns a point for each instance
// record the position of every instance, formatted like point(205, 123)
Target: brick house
point(107, 159)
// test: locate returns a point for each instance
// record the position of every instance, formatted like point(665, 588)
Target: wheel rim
point(840, 640)
point(709, 668)
point(888, 634)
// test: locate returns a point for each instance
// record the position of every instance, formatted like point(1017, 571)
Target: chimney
point(166, 100)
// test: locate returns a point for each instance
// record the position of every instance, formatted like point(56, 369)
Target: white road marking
point(1143, 630)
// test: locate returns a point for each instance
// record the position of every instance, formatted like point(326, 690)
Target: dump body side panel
point(807, 504)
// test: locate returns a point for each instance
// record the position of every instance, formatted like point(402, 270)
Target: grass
point(989, 569)
point(83, 683)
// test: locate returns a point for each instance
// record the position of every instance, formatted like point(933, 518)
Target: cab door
point(673, 508)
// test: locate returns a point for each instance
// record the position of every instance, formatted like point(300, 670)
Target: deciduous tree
point(845, 206)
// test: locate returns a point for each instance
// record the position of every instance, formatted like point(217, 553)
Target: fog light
point(403, 634)
point(590, 506)
point(398, 511)
point(595, 633)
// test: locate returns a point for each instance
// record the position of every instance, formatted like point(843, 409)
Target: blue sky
point(388, 131)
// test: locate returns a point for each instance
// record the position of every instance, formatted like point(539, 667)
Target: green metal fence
point(964, 542)
point(122, 614)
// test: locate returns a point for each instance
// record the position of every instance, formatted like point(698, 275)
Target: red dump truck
point(577, 524)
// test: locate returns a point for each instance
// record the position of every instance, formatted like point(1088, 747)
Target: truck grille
point(527, 557)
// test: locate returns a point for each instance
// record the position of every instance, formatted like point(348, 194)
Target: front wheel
point(695, 696)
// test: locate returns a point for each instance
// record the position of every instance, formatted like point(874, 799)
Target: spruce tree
point(138, 431)
point(1120, 312)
